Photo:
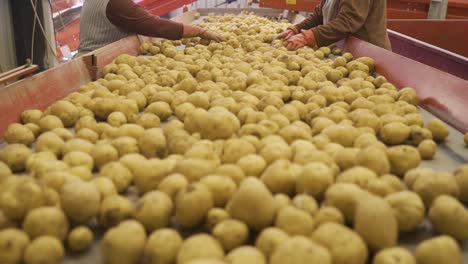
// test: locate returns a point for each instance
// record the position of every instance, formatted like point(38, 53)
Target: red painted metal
point(397, 9)
point(450, 35)
point(162, 7)
point(430, 55)
point(40, 90)
point(443, 94)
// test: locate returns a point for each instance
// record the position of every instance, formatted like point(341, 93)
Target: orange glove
point(289, 32)
point(194, 31)
point(306, 38)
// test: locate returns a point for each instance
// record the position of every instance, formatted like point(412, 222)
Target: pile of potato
point(235, 152)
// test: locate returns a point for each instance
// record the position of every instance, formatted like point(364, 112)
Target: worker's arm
point(351, 17)
point(314, 19)
point(133, 18)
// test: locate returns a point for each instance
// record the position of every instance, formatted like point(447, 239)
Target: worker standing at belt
point(105, 21)
point(333, 20)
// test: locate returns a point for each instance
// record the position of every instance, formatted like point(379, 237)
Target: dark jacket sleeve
point(133, 18)
point(314, 19)
point(351, 17)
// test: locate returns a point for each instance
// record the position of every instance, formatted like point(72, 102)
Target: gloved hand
point(289, 32)
point(306, 37)
point(194, 31)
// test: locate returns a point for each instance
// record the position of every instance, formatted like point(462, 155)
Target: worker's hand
point(194, 31)
point(212, 36)
point(289, 32)
point(305, 38)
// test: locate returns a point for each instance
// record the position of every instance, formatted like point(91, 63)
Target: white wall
point(7, 42)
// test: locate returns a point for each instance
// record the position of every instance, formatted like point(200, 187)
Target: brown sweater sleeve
point(314, 19)
point(133, 18)
point(351, 17)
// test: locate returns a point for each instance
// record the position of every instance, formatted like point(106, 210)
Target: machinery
point(444, 95)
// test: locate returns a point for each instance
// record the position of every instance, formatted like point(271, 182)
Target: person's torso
point(96, 30)
point(374, 29)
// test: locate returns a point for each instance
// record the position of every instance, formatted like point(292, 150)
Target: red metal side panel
point(40, 90)
point(296, 5)
point(446, 34)
point(443, 94)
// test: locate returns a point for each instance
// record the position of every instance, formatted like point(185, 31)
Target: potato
point(294, 221)
point(192, 203)
point(154, 210)
point(306, 203)
point(439, 129)
point(427, 149)
point(118, 173)
point(280, 176)
point(77, 144)
point(394, 255)
point(162, 246)
point(35, 129)
point(346, 157)
point(105, 186)
point(465, 138)
point(66, 111)
point(4, 171)
point(361, 176)
point(46, 221)
point(21, 195)
point(461, 176)
point(270, 239)
point(232, 171)
point(172, 183)
point(234, 149)
point(152, 143)
point(344, 245)
point(15, 156)
point(124, 243)
point(79, 158)
point(441, 249)
point(49, 122)
point(79, 239)
point(221, 187)
point(88, 134)
point(375, 222)
point(125, 145)
point(31, 116)
point(328, 214)
point(341, 134)
point(80, 201)
point(300, 249)
point(418, 134)
point(103, 154)
point(115, 209)
point(252, 164)
point(408, 208)
point(116, 119)
point(161, 109)
point(13, 243)
point(215, 216)
point(373, 158)
point(44, 249)
point(314, 179)
point(148, 120)
point(245, 254)
point(449, 217)
point(252, 204)
point(429, 187)
point(402, 159)
point(191, 250)
point(231, 233)
point(394, 133)
point(275, 151)
point(344, 197)
point(19, 134)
